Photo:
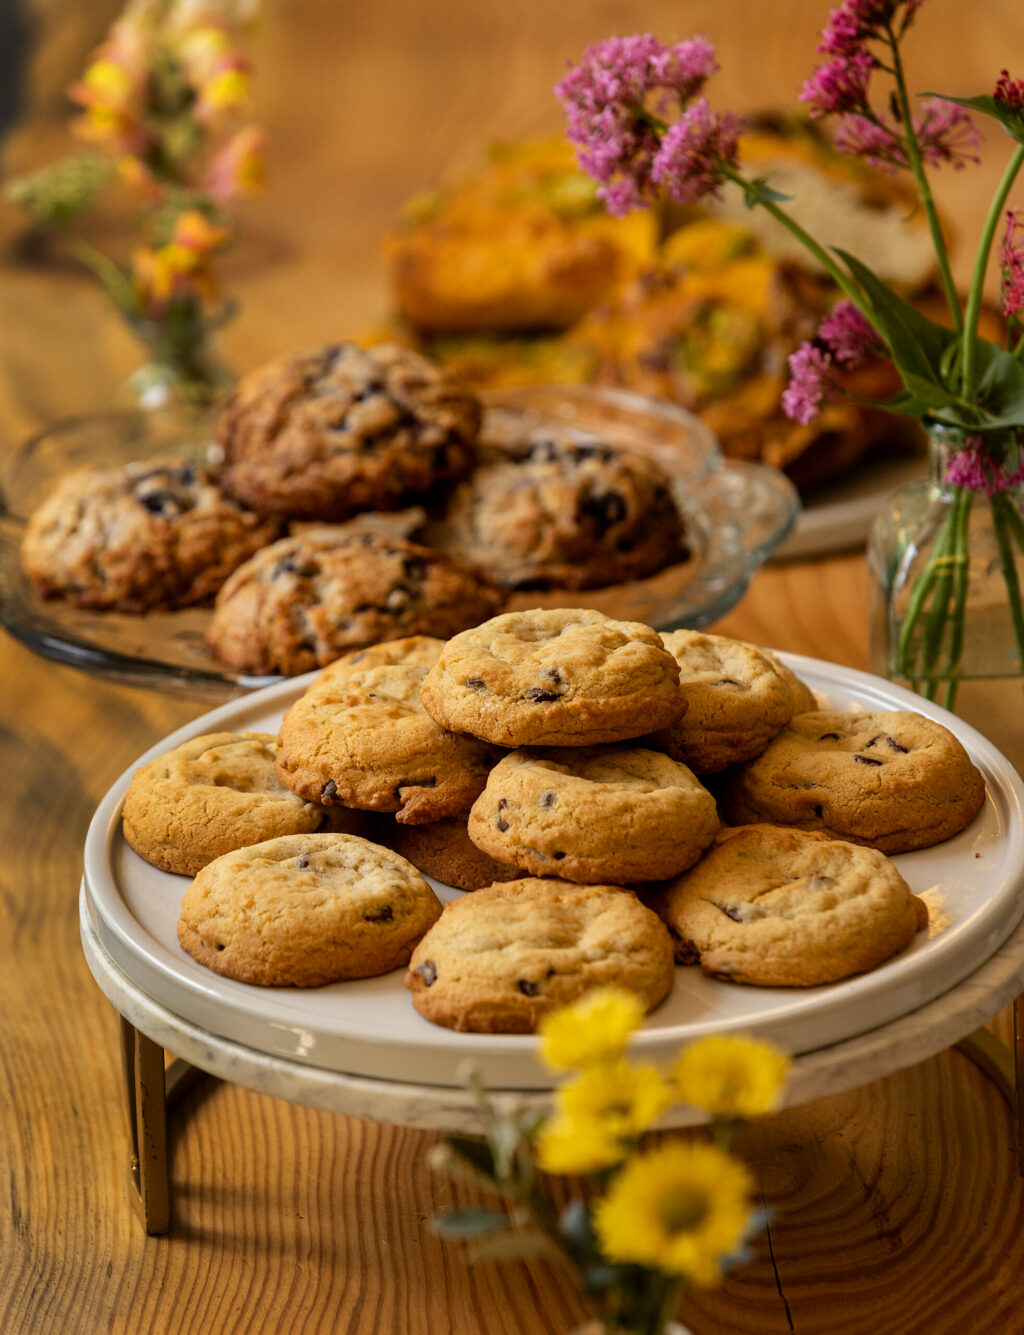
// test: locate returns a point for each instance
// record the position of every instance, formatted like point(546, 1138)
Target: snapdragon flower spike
point(689, 163)
point(614, 100)
point(1011, 259)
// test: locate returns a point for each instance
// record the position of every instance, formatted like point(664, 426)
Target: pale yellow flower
point(626, 1099)
point(578, 1145)
point(681, 1208)
point(731, 1076)
point(594, 1029)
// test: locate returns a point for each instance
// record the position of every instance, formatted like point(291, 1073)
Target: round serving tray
point(972, 884)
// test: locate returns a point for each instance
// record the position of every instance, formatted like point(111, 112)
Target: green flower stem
point(958, 620)
point(969, 374)
point(924, 586)
point(1007, 524)
point(826, 261)
point(952, 570)
point(112, 278)
point(924, 189)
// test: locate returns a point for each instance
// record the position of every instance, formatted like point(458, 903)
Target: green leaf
point(475, 1151)
point(512, 1243)
point(919, 346)
point(1000, 386)
point(1008, 117)
point(758, 191)
point(468, 1222)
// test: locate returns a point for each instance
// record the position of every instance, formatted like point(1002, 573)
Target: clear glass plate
point(736, 515)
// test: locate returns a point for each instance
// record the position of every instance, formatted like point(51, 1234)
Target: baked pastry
point(894, 780)
point(208, 796)
point(789, 908)
point(360, 737)
point(520, 242)
point(443, 849)
point(305, 600)
point(572, 512)
point(305, 910)
point(498, 960)
point(601, 815)
point(554, 677)
point(139, 536)
point(736, 701)
point(329, 431)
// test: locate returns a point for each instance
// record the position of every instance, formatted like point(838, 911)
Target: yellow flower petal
point(577, 1146)
point(731, 1076)
point(679, 1208)
point(627, 1099)
point(594, 1029)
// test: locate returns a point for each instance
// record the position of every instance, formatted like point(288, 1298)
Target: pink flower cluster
point(1010, 92)
point(616, 103)
point(1011, 260)
point(974, 469)
point(845, 339)
point(945, 134)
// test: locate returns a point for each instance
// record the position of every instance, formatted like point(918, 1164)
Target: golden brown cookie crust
point(595, 815)
point(894, 780)
point(306, 910)
point(736, 699)
point(554, 677)
point(443, 849)
point(780, 907)
point(210, 795)
point(498, 960)
point(360, 737)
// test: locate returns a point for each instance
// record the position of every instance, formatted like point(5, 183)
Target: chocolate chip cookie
point(498, 960)
point(208, 796)
point(443, 849)
point(139, 536)
point(789, 908)
point(736, 700)
point(360, 737)
point(601, 815)
point(574, 512)
point(556, 677)
point(329, 431)
point(305, 910)
point(303, 601)
point(894, 780)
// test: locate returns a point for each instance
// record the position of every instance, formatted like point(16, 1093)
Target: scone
point(789, 908)
point(305, 600)
point(305, 910)
point(498, 960)
point(894, 780)
point(557, 677)
point(574, 512)
point(599, 815)
point(139, 536)
point(329, 431)
point(736, 701)
point(360, 737)
point(208, 796)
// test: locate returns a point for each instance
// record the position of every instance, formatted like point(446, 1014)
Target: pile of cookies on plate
point(330, 458)
point(610, 801)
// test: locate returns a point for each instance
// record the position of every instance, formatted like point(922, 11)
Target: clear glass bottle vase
point(947, 616)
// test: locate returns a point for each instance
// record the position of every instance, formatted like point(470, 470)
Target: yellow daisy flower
point(626, 1099)
point(731, 1076)
point(680, 1209)
point(578, 1145)
point(594, 1029)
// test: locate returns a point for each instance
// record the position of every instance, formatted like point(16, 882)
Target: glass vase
point(601, 1328)
point(947, 563)
point(182, 367)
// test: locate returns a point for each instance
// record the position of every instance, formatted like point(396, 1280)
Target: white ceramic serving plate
point(973, 884)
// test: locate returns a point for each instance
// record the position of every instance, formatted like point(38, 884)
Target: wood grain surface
point(896, 1207)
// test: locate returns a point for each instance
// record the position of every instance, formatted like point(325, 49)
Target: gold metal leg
point(1004, 1068)
point(149, 1088)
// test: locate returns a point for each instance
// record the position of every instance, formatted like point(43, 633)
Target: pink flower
point(1010, 92)
point(871, 140)
point(811, 383)
point(975, 469)
point(841, 85)
point(689, 162)
point(849, 337)
point(945, 133)
point(1011, 259)
point(856, 21)
point(615, 100)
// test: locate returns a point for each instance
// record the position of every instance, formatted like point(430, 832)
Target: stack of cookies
point(329, 459)
point(571, 774)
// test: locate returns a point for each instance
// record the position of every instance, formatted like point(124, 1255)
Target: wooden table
point(897, 1208)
